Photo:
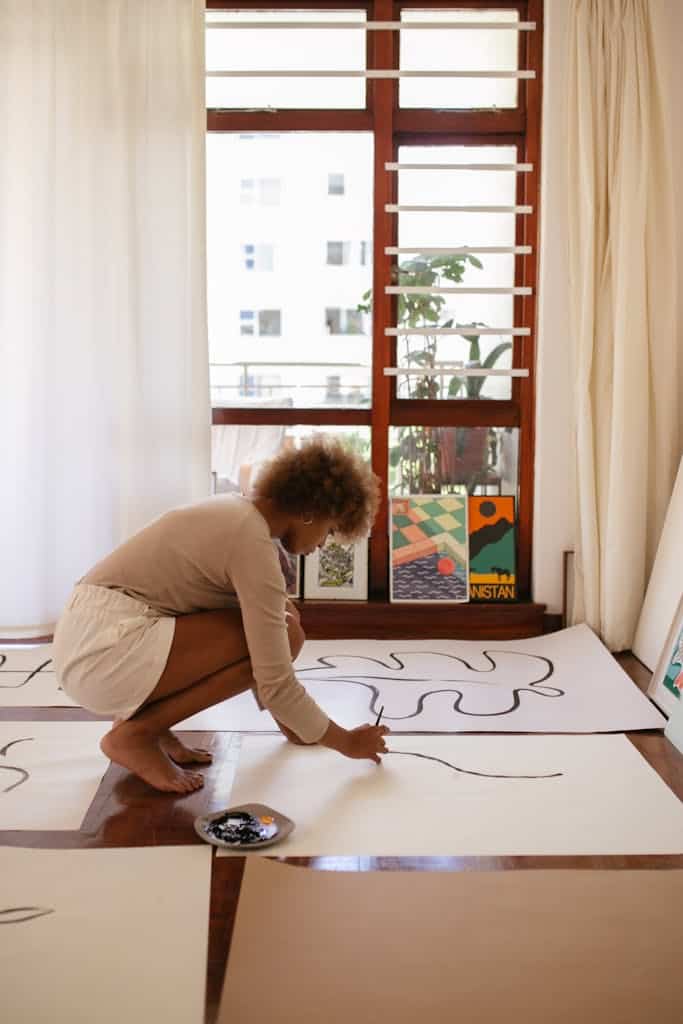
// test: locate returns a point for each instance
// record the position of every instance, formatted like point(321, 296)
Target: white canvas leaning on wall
point(664, 586)
point(666, 685)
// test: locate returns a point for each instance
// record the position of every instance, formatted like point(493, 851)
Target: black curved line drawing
point(9, 914)
point(29, 677)
point(12, 768)
point(395, 663)
point(467, 771)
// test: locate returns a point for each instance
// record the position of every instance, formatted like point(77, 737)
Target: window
point(246, 321)
point(281, 266)
point(264, 191)
point(268, 320)
point(258, 257)
point(338, 254)
point(344, 321)
point(397, 224)
point(335, 184)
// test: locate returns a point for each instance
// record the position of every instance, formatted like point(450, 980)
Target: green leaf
point(495, 354)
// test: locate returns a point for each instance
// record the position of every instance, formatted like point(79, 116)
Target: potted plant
point(419, 455)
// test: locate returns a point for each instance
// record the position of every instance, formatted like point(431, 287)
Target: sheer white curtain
point(105, 413)
point(622, 274)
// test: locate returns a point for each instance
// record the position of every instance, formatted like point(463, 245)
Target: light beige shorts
point(110, 650)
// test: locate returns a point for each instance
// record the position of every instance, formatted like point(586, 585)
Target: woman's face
point(302, 536)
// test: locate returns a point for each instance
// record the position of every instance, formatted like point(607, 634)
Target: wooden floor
point(126, 812)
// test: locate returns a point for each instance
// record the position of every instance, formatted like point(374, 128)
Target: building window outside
point(259, 385)
point(344, 321)
point(246, 321)
point(247, 191)
point(258, 257)
point(338, 254)
point(269, 322)
point(335, 184)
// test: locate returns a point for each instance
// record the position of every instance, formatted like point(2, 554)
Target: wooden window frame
point(393, 127)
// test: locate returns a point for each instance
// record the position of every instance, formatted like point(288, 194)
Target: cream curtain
point(105, 413)
point(622, 279)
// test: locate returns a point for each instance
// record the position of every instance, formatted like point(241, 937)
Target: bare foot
point(181, 754)
point(143, 756)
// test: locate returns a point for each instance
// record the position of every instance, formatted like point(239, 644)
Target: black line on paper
point(31, 675)
point(13, 768)
point(17, 915)
point(467, 771)
point(395, 664)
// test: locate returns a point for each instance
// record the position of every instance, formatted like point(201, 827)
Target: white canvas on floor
point(563, 682)
point(106, 936)
point(32, 690)
point(29, 658)
point(27, 679)
point(454, 947)
point(49, 773)
point(570, 795)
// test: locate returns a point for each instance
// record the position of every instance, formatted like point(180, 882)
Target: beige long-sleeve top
point(200, 557)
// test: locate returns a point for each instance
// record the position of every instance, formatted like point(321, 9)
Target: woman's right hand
point(366, 741)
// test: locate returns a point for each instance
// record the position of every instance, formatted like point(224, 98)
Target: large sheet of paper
point(26, 657)
point(571, 947)
point(464, 796)
point(49, 773)
point(664, 587)
point(104, 935)
point(563, 682)
point(27, 679)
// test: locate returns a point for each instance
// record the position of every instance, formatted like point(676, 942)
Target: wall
point(555, 489)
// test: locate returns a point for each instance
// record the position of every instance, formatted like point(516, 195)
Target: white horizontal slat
point(462, 250)
point(400, 208)
point(520, 168)
point(464, 331)
point(377, 73)
point(394, 289)
point(446, 371)
point(380, 26)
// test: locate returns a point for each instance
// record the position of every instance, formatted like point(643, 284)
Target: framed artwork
point(666, 686)
point(492, 548)
point(429, 548)
point(337, 571)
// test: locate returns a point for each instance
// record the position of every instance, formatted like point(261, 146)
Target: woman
point(192, 610)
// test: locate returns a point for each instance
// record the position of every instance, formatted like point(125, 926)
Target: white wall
point(554, 502)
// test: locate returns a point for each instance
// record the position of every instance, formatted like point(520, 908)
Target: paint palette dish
point(247, 827)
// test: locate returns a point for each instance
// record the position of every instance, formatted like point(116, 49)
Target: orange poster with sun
point(492, 548)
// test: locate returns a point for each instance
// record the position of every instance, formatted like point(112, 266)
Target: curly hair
point(323, 480)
